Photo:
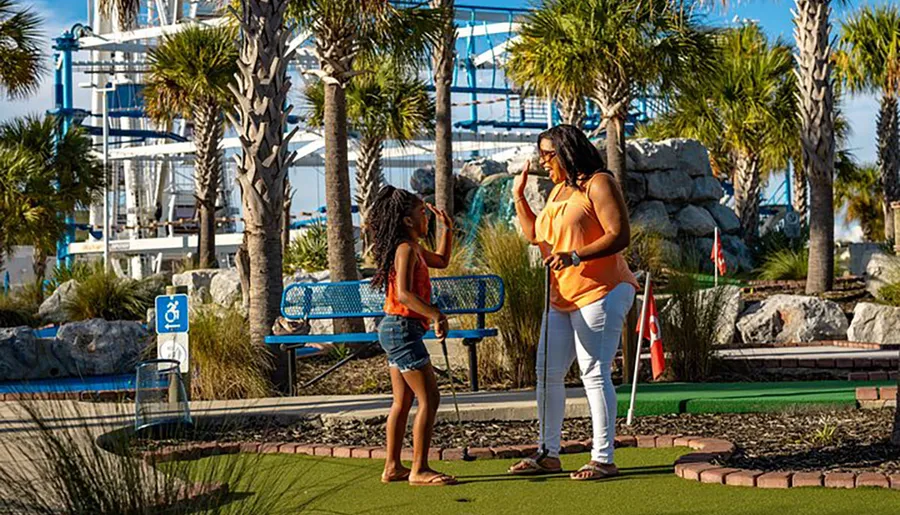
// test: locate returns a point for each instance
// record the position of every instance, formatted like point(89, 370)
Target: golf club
point(546, 323)
point(465, 455)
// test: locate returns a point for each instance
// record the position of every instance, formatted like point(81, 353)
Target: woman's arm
point(610, 209)
point(526, 216)
point(441, 258)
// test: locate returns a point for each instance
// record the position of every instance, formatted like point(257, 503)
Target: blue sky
point(773, 15)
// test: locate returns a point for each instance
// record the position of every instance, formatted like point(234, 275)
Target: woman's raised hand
point(521, 180)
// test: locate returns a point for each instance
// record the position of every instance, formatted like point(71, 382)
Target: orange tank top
point(569, 225)
point(421, 286)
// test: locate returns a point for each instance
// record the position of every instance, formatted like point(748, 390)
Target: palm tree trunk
point(369, 178)
point(612, 96)
point(443, 130)
point(816, 110)
point(341, 252)
point(799, 190)
point(208, 130)
point(889, 158)
point(746, 195)
point(615, 149)
point(39, 266)
point(571, 110)
point(260, 93)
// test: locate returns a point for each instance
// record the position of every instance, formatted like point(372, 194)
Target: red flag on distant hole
point(717, 256)
point(652, 333)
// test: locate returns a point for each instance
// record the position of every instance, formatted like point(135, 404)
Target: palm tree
point(815, 96)
point(20, 52)
point(27, 212)
point(858, 188)
point(261, 95)
point(743, 111)
point(389, 104)
point(190, 73)
point(69, 176)
point(442, 61)
point(627, 47)
point(125, 10)
point(549, 68)
point(869, 61)
point(342, 31)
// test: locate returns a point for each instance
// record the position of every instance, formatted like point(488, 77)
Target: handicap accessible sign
point(172, 314)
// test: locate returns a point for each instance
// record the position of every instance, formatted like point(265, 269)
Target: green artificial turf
point(666, 398)
point(647, 486)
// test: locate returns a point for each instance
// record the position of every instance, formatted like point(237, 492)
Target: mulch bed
point(802, 440)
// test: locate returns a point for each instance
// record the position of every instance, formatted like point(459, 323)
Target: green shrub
point(14, 312)
point(227, 365)
point(79, 271)
point(773, 242)
point(890, 294)
point(505, 253)
point(104, 295)
point(785, 264)
point(691, 322)
point(308, 252)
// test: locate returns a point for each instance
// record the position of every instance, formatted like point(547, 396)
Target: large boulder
point(875, 323)
point(100, 347)
point(24, 357)
point(225, 287)
point(734, 246)
point(537, 189)
point(690, 156)
point(635, 187)
point(422, 180)
point(669, 185)
point(695, 221)
point(198, 283)
point(725, 218)
point(516, 163)
point(482, 168)
point(792, 319)
point(53, 309)
point(861, 254)
point(882, 269)
point(706, 188)
point(652, 215)
point(648, 155)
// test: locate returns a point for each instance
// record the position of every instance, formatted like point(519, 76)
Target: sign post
point(172, 334)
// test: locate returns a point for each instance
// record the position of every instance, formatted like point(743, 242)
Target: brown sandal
point(603, 471)
point(532, 467)
point(436, 480)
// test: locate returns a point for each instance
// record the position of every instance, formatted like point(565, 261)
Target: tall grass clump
point(76, 462)
point(505, 253)
point(227, 365)
point(785, 264)
point(15, 312)
point(647, 251)
point(308, 252)
point(691, 322)
point(78, 271)
point(105, 295)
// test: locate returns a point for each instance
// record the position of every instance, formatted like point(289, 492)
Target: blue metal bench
point(467, 295)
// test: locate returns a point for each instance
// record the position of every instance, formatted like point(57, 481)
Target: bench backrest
point(466, 295)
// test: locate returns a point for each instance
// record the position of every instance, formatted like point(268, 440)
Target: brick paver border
point(700, 465)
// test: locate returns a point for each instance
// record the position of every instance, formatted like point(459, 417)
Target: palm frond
point(20, 51)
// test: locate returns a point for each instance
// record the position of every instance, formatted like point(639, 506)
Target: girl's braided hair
point(386, 230)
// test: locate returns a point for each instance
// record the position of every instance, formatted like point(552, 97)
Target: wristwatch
point(575, 259)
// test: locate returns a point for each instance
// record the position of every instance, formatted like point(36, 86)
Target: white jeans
point(592, 334)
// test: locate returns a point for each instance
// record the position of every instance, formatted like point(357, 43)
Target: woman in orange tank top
point(581, 232)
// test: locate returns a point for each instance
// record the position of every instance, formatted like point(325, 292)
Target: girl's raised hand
point(441, 216)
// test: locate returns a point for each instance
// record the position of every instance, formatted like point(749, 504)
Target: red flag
point(717, 256)
point(652, 333)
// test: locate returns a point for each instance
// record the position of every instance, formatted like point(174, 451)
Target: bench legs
point(472, 345)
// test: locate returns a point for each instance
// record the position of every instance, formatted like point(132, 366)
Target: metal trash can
point(160, 400)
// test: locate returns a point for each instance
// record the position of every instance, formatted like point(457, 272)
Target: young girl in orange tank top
point(395, 223)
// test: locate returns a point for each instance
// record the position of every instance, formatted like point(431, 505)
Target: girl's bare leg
point(396, 427)
point(424, 385)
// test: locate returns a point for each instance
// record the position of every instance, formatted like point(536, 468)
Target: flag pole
point(716, 254)
point(637, 351)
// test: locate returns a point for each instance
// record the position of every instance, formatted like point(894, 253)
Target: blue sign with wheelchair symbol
point(172, 314)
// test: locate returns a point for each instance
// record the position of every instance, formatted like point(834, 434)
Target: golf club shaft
point(452, 385)
point(546, 324)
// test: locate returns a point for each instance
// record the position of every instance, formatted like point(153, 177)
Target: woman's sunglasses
point(546, 155)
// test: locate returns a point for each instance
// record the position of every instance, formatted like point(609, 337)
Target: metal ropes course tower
point(151, 204)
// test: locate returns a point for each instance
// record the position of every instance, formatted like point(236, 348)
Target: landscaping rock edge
point(696, 466)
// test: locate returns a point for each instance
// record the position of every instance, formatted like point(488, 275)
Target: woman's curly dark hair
point(384, 225)
point(577, 155)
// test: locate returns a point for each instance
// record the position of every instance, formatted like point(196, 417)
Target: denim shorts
point(401, 339)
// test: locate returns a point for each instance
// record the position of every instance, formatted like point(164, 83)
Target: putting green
point(647, 486)
point(666, 398)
